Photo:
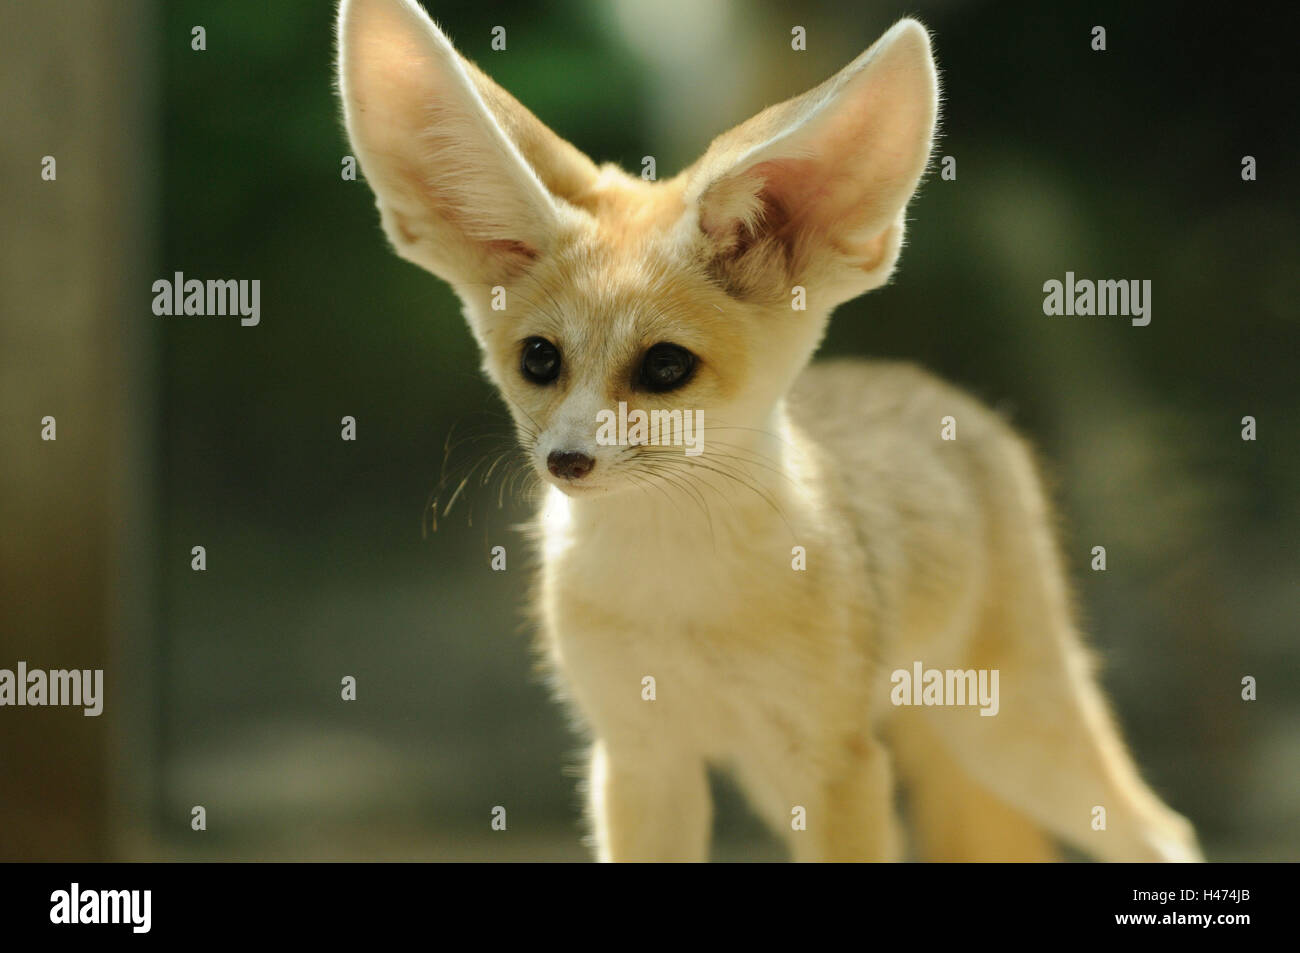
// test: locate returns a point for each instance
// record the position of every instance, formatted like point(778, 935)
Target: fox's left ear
point(813, 191)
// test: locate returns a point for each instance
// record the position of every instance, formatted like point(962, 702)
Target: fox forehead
point(622, 268)
point(625, 208)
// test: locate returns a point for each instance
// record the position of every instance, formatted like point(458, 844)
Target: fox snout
point(569, 464)
point(566, 451)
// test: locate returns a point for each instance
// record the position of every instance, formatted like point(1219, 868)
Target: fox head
point(587, 288)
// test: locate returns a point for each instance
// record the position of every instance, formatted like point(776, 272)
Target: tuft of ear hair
point(813, 191)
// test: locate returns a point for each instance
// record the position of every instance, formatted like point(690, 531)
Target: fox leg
point(649, 809)
point(840, 809)
point(954, 818)
point(859, 823)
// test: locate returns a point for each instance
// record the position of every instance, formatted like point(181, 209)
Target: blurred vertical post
point(74, 336)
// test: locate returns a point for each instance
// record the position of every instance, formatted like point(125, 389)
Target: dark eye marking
point(666, 367)
point(540, 361)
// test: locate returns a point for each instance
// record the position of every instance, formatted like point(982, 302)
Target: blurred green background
point(224, 685)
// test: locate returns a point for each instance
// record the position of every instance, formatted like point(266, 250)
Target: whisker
point(727, 471)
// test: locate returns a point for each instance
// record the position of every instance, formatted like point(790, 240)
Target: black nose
point(569, 464)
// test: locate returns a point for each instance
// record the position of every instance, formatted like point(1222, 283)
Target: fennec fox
point(747, 606)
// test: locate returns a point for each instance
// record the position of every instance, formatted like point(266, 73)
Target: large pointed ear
point(812, 191)
point(470, 185)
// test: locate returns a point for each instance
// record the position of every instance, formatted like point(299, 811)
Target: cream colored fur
point(918, 549)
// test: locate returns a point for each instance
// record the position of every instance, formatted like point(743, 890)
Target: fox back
point(747, 597)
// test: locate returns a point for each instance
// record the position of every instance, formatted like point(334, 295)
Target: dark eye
point(540, 362)
point(666, 367)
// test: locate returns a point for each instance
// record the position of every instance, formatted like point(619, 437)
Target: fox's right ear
point(466, 179)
